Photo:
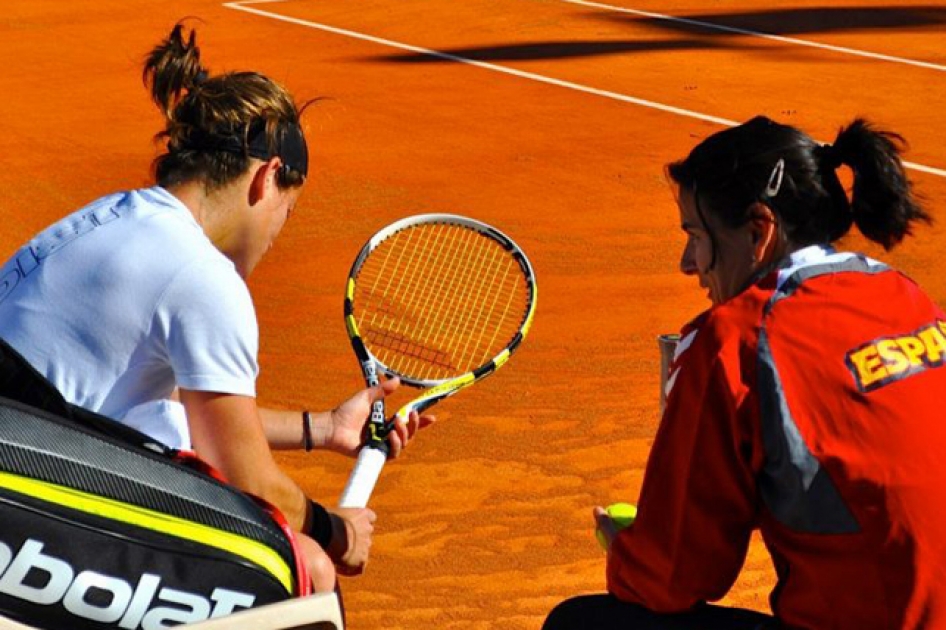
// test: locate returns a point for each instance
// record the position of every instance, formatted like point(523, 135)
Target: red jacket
point(810, 406)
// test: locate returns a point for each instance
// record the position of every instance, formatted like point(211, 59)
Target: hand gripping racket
point(441, 301)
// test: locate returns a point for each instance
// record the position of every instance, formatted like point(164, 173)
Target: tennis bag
point(102, 527)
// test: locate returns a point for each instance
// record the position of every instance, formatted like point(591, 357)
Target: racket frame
point(375, 450)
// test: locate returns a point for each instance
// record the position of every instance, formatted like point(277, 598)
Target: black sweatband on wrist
point(320, 525)
point(307, 431)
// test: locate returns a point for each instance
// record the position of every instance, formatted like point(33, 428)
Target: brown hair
point(214, 124)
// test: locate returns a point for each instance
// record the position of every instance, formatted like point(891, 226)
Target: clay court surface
point(551, 119)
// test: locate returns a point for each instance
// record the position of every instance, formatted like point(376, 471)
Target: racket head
point(433, 297)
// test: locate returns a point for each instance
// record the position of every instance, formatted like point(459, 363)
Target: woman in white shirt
point(140, 297)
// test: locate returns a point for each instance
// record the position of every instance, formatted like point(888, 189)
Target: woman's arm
point(227, 433)
point(341, 429)
point(698, 504)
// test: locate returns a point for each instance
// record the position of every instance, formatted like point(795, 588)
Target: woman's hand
point(346, 423)
point(352, 529)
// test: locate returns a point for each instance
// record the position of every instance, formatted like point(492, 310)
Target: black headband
point(290, 144)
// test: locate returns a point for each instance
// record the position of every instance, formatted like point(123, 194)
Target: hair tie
point(201, 78)
point(829, 157)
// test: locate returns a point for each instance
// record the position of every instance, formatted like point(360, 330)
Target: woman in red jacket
point(805, 402)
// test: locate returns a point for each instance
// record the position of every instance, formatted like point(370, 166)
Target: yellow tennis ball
point(623, 515)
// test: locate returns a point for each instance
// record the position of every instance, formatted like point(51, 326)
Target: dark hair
point(214, 124)
point(734, 168)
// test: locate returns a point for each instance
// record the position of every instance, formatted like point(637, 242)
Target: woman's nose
point(687, 261)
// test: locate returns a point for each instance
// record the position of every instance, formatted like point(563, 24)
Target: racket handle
point(363, 478)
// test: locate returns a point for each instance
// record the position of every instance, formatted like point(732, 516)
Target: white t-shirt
point(125, 299)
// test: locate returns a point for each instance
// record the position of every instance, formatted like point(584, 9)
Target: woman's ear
point(264, 176)
point(763, 226)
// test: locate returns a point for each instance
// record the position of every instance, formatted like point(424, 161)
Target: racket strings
point(382, 314)
point(473, 315)
point(478, 320)
point(438, 300)
point(393, 325)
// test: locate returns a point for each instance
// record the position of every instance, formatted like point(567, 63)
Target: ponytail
point(172, 68)
point(883, 205)
point(215, 124)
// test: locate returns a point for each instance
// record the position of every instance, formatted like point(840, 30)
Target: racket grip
point(363, 478)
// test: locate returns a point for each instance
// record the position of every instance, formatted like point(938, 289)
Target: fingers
point(387, 387)
point(351, 554)
point(604, 524)
point(423, 422)
point(399, 436)
point(363, 523)
point(404, 430)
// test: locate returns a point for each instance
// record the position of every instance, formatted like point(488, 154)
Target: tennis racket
point(440, 301)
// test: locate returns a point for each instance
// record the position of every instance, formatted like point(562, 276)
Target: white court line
point(778, 38)
point(242, 6)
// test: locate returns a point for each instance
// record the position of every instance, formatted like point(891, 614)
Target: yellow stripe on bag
point(256, 552)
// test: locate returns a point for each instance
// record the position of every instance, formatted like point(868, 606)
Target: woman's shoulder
point(734, 319)
point(160, 243)
point(162, 224)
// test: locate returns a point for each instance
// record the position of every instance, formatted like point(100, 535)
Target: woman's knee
point(320, 566)
point(568, 615)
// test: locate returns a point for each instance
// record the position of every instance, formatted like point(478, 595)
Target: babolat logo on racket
point(888, 359)
point(42, 579)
